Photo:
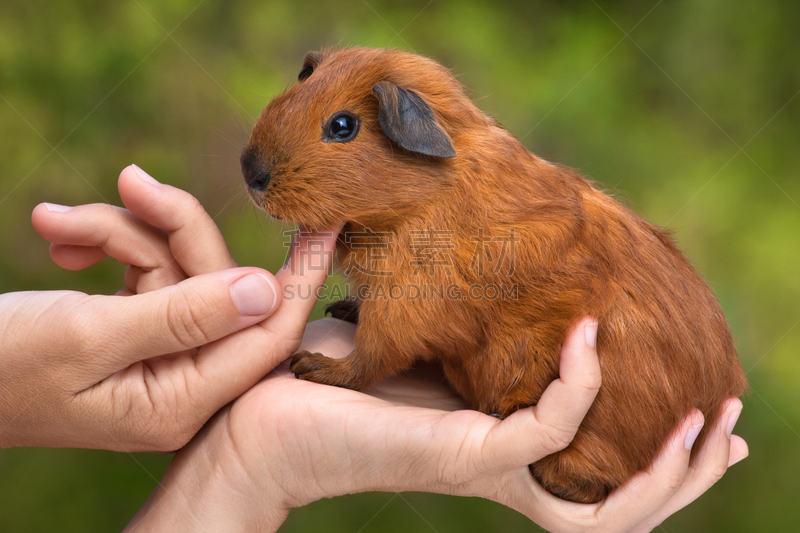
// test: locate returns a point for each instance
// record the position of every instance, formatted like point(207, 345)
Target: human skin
point(142, 372)
point(288, 442)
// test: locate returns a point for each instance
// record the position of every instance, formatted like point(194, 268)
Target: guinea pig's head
point(365, 135)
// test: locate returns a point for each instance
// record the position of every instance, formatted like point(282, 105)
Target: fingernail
point(254, 295)
point(691, 436)
point(144, 176)
point(57, 208)
point(590, 331)
point(738, 460)
point(732, 422)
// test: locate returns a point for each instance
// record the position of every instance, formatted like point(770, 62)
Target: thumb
point(237, 362)
point(192, 313)
point(532, 433)
point(301, 278)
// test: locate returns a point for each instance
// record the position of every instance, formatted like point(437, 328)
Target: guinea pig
point(502, 250)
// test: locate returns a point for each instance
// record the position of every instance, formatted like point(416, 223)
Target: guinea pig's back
point(664, 347)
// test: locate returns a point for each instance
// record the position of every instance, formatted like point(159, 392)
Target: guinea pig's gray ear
point(407, 120)
point(310, 62)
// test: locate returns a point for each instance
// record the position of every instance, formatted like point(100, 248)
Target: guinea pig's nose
point(256, 173)
point(258, 180)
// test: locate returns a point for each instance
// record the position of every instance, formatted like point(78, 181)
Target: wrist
point(205, 486)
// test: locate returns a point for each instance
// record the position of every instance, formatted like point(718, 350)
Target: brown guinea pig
point(468, 250)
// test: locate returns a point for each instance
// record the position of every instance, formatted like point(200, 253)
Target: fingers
point(84, 234)
point(192, 313)
point(194, 239)
point(739, 450)
point(719, 451)
point(234, 364)
point(166, 233)
point(530, 434)
point(302, 277)
point(139, 280)
point(73, 257)
point(636, 503)
point(627, 507)
point(649, 497)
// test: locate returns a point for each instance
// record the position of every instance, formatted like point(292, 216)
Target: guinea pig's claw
point(316, 367)
point(308, 365)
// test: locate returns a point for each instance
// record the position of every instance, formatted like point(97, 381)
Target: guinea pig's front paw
point(344, 309)
point(316, 367)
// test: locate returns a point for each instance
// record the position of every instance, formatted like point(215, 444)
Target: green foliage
point(691, 120)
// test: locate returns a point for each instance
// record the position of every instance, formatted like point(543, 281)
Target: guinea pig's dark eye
point(342, 127)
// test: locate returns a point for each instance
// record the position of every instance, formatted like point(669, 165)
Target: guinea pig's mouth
point(256, 198)
point(259, 202)
point(273, 207)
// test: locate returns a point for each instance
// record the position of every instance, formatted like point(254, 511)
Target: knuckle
point(715, 473)
point(555, 436)
point(587, 391)
point(448, 472)
point(178, 437)
point(192, 211)
point(184, 323)
point(589, 381)
point(168, 440)
point(673, 482)
point(109, 211)
point(594, 380)
point(111, 215)
point(457, 464)
point(86, 333)
point(168, 433)
point(81, 339)
point(555, 439)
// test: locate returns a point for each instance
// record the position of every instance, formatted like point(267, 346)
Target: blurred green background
point(685, 109)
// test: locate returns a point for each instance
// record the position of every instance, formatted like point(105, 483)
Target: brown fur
point(663, 342)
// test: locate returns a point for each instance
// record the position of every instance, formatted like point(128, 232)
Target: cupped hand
point(143, 371)
point(288, 442)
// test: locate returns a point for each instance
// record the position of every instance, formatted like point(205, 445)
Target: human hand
point(287, 442)
point(146, 371)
